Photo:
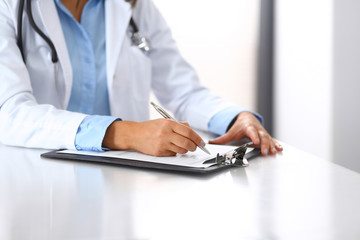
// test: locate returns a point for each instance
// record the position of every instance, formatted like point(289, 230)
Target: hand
point(160, 137)
point(248, 126)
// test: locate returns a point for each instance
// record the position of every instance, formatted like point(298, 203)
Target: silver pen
point(168, 116)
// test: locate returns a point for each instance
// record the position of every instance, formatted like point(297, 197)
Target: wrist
point(232, 122)
point(119, 135)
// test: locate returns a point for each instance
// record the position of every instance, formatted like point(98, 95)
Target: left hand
point(248, 126)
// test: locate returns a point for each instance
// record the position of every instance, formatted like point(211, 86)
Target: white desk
point(290, 196)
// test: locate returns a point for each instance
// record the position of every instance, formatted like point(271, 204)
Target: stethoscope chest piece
point(138, 39)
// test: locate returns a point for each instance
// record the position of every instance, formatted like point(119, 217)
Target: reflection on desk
point(293, 195)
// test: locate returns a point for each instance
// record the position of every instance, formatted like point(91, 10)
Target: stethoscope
point(137, 38)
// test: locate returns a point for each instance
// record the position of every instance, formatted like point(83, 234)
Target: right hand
point(160, 137)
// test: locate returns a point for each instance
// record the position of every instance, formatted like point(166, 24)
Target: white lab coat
point(33, 104)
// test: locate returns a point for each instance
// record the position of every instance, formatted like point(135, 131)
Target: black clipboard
point(235, 158)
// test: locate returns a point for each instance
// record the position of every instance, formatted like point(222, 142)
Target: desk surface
point(290, 196)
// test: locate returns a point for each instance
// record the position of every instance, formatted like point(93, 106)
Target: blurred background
point(295, 62)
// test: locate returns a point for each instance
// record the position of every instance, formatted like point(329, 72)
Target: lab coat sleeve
point(174, 81)
point(24, 122)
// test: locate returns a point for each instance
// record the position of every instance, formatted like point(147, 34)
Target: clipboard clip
point(234, 157)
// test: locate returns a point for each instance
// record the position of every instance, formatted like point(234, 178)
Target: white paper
point(190, 159)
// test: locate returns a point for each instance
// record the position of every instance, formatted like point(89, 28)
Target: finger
point(176, 149)
point(185, 123)
point(161, 153)
point(272, 147)
point(183, 142)
point(252, 133)
point(265, 143)
point(227, 137)
point(188, 133)
point(167, 153)
point(278, 147)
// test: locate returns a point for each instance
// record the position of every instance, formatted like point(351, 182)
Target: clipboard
point(235, 158)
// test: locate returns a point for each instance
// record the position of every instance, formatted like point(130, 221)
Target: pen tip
point(205, 150)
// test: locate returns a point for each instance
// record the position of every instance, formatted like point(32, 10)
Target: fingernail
point(202, 144)
point(258, 140)
point(266, 151)
point(279, 146)
point(273, 149)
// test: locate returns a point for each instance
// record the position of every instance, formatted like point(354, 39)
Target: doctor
point(73, 77)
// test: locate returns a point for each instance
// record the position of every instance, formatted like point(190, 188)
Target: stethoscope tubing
point(54, 55)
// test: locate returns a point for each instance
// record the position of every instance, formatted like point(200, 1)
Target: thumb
point(222, 139)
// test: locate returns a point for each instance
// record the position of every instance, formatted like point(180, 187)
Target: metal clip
point(235, 157)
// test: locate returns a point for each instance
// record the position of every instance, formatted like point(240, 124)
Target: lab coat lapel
point(118, 14)
point(53, 27)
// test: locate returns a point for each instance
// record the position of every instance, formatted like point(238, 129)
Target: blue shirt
point(86, 44)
